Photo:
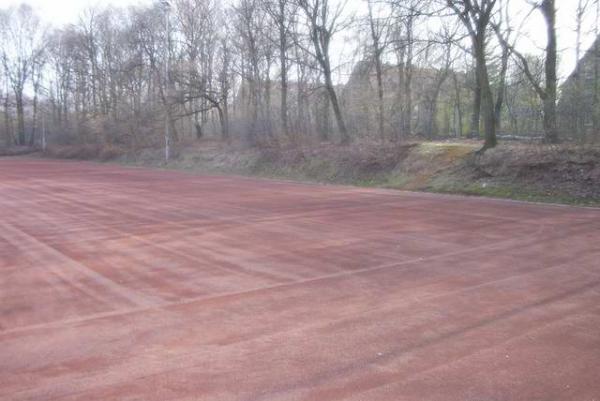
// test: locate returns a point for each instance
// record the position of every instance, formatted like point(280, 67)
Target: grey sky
point(59, 12)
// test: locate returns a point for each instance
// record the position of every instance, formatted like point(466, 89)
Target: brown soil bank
point(559, 174)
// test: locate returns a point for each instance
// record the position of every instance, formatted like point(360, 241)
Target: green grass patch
point(514, 191)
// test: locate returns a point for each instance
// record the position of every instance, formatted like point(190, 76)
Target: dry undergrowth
point(564, 173)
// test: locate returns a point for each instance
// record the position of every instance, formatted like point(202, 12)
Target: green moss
point(397, 181)
point(507, 191)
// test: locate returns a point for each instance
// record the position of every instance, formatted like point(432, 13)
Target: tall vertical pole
point(596, 72)
point(9, 134)
point(43, 112)
point(44, 144)
point(167, 81)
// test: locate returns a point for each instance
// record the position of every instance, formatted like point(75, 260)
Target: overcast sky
point(59, 12)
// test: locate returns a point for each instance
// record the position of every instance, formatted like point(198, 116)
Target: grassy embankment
point(565, 174)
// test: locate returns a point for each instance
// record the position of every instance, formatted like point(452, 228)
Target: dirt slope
point(559, 174)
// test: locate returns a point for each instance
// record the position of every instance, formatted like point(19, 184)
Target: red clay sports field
point(136, 284)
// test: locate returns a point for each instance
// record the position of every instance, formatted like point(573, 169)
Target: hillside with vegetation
point(531, 172)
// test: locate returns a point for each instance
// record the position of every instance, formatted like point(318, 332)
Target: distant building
point(436, 95)
point(579, 103)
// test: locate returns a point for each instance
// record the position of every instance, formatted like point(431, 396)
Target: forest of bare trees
point(265, 72)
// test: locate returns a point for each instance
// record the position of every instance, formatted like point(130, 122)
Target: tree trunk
point(380, 114)
point(20, 119)
point(284, 98)
point(34, 118)
point(377, 50)
point(321, 33)
point(550, 129)
point(337, 111)
point(432, 124)
point(580, 115)
point(596, 88)
point(487, 99)
point(458, 126)
point(283, 66)
point(198, 127)
point(301, 103)
point(268, 109)
point(501, 88)
point(322, 111)
point(476, 112)
point(223, 119)
point(7, 124)
point(408, 84)
point(400, 127)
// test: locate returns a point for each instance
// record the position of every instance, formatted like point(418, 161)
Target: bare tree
point(444, 41)
point(269, 72)
point(582, 8)
point(323, 22)
point(37, 74)
point(22, 46)
point(504, 34)
point(197, 22)
point(406, 16)
point(156, 45)
point(250, 26)
point(225, 84)
point(548, 92)
point(476, 17)
point(8, 136)
point(283, 13)
point(379, 29)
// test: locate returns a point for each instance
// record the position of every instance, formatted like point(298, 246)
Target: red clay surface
point(132, 284)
